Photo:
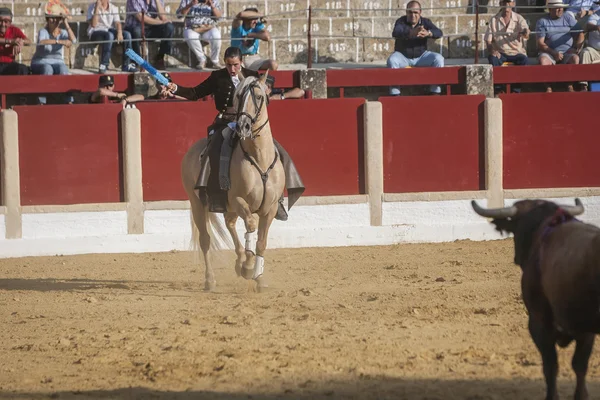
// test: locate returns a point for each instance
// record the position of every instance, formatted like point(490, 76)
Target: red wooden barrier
point(283, 79)
point(550, 140)
point(433, 143)
point(327, 151)
point(541, 73)
point(367, 77)
point(56, 84)
point(325, 140)
point(168, 130)
point(69, 155)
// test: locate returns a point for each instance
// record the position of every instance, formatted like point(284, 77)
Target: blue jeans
point(50, 67)
point(519, 59)
point(164, 31)
point(111, 34)
point(427, 59)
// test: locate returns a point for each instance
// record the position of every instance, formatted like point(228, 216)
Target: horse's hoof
point(210, 286)
point(247, 273)
point(261, 284)
point(238, 270)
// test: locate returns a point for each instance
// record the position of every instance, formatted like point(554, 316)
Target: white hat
point(556, 4)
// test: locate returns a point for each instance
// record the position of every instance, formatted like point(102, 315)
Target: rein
point(264, 175)
point(257, 106)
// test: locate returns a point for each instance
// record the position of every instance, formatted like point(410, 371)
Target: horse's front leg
point(264, 223)
point(230, 220)
point(243, 210)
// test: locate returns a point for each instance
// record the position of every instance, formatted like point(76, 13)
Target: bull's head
point(522, 219)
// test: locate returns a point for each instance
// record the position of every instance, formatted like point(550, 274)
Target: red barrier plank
point(57, 83)
point(325, 140)
point(432, 143)
point(541, 73)
point(168, 131)
point(388, 76)
point(283, 79)
point(550, 140)
point(315, 141)
point(69, 154)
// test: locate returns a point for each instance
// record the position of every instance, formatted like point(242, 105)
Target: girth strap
point(263, 175)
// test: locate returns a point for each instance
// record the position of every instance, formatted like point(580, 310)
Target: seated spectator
point(201, 24)
point(281, 94)
point(156, 25)
point(12, 40)
point(105, 25)
point(591, 53)
point(161, 94)
point(48, 58)
point(247, 30)
point(582, 10)
point(555, 38)
point(505, 36)
point(106, 90)
point(412, 32)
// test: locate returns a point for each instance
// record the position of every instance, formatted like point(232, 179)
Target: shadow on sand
point(365, 387)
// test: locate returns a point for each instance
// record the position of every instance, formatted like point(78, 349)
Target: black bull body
point(560, 261)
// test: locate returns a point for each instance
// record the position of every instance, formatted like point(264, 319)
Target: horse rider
point(221, 84)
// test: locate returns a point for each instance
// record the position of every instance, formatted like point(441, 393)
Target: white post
point(132, 169)
point(373, 129)
point(11, 180)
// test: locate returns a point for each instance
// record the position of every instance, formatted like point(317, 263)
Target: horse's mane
point(241, 88)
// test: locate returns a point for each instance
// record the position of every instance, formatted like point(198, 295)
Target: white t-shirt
point(594, 37)
point(106, 18)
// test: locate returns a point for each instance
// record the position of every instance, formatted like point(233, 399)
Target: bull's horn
point(577, 209)
point(504, 212)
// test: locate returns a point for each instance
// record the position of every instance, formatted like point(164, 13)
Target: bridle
point(257, 106)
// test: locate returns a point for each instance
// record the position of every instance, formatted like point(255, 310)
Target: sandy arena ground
point(414, 321)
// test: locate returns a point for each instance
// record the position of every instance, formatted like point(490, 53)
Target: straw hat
point(56, 9)
point(556, 4)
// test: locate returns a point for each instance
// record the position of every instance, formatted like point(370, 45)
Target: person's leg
point(136, 34)
point(518, 59)
point(61, 68)
point(213, 37)
point(13, 68)
point(397, 60)
point(126, 66)
point(163, 32)
point(192, 39)
point(497, 61)
point(431, 59)
point(106, 47)
point(41, 69)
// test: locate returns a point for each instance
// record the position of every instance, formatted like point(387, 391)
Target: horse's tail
point(219, 236)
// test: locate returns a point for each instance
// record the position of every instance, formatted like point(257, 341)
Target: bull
point(560, 261)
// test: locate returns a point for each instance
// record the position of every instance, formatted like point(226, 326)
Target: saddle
point(213, 180)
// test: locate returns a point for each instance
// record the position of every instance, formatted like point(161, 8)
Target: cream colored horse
point(257, 182)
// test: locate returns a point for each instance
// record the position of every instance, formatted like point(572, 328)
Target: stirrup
point(281, 215)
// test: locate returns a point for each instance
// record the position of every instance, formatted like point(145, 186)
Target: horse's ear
point(241, 76)
point(263, 78)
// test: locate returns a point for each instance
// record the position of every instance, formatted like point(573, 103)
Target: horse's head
point(250, 101)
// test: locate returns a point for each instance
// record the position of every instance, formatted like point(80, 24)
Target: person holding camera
point(505, 37)
point(201, 17)
point(247, 30)
point(48, 58)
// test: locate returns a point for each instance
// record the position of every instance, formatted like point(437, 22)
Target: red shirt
point(6, 50)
